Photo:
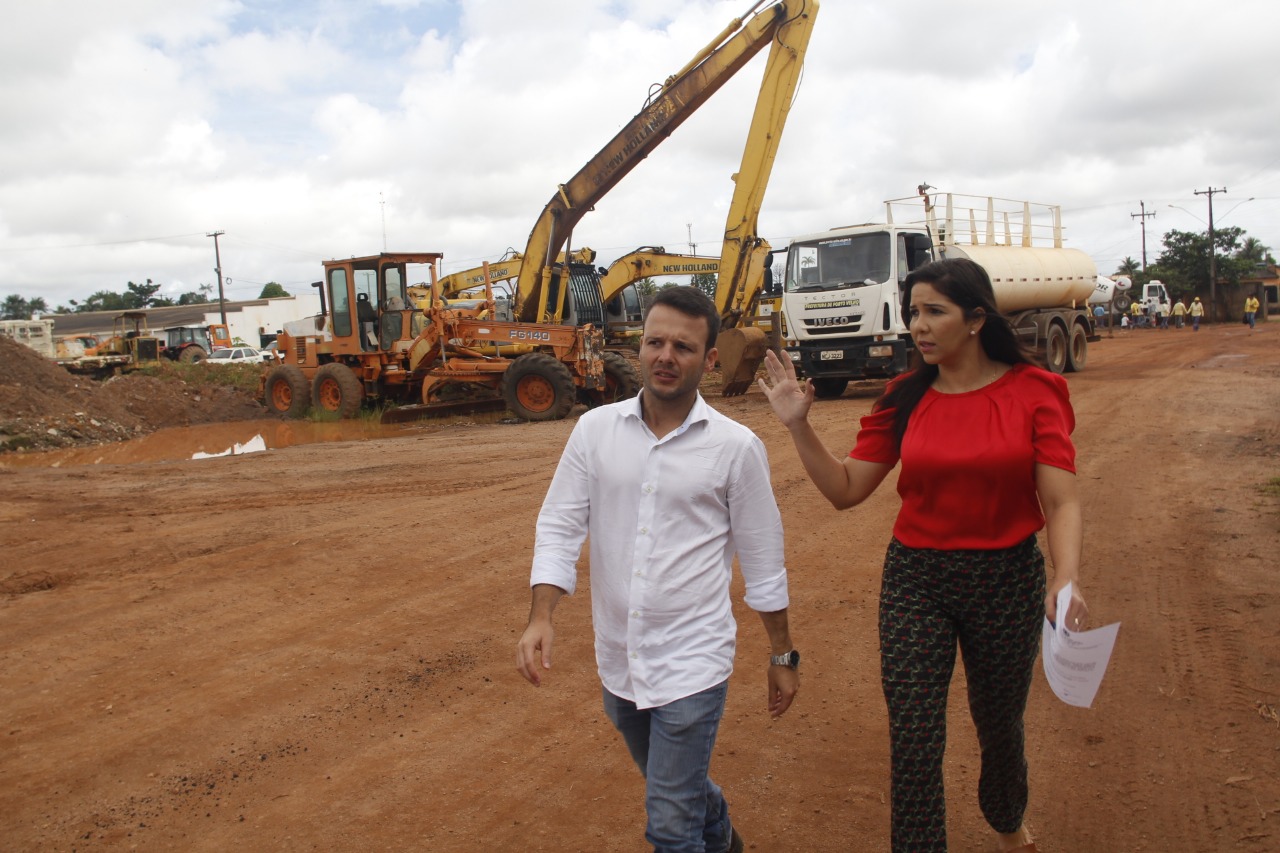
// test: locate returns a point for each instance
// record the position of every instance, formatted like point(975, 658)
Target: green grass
point(246, 377)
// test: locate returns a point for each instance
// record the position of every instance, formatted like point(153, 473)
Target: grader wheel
point(287, 391)
point(538, 387)
point(193, 354)
point(620, 382)
point(337, 391)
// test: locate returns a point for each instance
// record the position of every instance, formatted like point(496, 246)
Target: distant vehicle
point(239, 355)
point(1155, 298)
point(272, 349)
point(1108, 289)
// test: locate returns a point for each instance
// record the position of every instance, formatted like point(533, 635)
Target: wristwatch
point(791, 660)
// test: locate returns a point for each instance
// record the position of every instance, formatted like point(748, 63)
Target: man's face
point(673, 353)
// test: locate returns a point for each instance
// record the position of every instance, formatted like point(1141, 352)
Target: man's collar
point(699, 412)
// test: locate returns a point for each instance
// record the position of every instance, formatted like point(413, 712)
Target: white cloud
point(301, 129)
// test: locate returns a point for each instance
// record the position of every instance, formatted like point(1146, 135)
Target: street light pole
point(1213, 256)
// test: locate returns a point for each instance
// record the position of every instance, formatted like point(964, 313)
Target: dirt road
point(312, 648)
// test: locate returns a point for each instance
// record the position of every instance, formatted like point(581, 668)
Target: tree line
point(135, 296)
point(1183, 265)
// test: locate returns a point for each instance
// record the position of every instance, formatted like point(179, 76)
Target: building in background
point(255, 322)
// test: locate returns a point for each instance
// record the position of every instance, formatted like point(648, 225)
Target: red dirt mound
point(43, 406)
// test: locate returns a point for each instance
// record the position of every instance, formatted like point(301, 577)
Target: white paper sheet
point(1075, 661)
point(257, 444)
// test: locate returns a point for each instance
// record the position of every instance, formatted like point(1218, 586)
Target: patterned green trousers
point(991, 603)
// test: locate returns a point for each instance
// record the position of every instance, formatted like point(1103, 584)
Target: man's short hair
point(691, 302)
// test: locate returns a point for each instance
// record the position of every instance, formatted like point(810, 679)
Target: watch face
point(795, 658)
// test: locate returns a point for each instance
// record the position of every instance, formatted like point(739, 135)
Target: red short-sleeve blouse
point(968, 460)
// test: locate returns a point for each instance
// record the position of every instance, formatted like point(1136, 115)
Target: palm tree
point(1254, 251)
point(1129, 267)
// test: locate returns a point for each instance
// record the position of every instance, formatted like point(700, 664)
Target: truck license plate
point(831, 355)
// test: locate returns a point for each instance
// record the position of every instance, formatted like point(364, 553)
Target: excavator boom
point(744, 255)
point(787, 24)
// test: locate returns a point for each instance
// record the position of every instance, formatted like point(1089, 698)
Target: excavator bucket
point(742, 350)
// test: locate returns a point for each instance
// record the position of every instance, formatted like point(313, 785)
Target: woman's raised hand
point(789, 397)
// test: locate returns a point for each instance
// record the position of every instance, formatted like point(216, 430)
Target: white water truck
point(842, 302)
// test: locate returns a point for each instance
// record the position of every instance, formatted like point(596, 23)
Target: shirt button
point(634, 655)
point(635, 613)
point(644, 531)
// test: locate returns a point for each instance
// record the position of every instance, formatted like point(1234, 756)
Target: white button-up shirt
point(665, 518)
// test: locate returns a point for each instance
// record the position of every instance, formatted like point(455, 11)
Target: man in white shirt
point(669, 490)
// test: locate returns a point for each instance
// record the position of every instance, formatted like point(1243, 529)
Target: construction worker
point(1197, 311)
point(1179, 313)
point(1135, 313)
point(1251, 310)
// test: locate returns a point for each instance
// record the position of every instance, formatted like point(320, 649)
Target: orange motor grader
point(369, 342)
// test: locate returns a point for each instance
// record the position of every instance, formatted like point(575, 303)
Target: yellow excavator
point(550, 291)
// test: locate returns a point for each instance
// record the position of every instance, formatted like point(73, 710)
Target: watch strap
point(790, 660)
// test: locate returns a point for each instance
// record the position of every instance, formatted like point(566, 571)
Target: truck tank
point(1033, 277)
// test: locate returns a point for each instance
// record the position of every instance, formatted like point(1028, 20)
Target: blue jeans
point(672, 745)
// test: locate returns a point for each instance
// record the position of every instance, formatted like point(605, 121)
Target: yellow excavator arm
point(650, 262)
point(504, 270)
point(785, 24)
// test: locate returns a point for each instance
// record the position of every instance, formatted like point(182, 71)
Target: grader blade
point(742, 350)
point(419, 411)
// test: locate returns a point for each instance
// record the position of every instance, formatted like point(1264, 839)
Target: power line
point(99, 245)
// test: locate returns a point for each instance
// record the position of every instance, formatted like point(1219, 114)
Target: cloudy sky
point(312, 130)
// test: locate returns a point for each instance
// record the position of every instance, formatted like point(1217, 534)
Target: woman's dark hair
point(694, 303)
point(967, 285)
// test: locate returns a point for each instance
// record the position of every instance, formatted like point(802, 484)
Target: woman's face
point(938, 326)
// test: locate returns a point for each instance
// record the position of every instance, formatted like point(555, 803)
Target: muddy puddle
point(224, 439)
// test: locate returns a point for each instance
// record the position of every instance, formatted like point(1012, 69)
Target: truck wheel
point(337, 391)
point(829, 389)
point(1121, 302)
point(538, 387)
point(1055, 349)
point(287, 391)
point(192, 354)
point(620, 382)
point(1077, 348)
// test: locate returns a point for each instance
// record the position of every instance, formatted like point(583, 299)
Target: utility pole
point(693, 250)
point(382, 202)
point(1142, 217)
point(1213, 266)
point(217, 255)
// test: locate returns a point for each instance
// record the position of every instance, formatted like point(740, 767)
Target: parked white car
point(238, 355)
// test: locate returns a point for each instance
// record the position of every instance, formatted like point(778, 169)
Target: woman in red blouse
point(984, 441)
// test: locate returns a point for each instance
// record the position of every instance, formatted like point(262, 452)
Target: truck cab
point(841, 302)
point(1155, 298)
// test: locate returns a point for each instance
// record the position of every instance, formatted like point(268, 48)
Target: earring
point(972, 332)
